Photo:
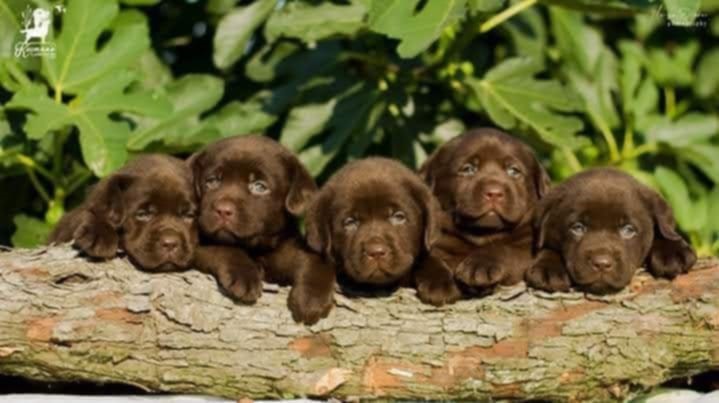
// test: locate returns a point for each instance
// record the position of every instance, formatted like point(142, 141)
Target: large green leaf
point(682, 12)
point(609, 7)
point(691, 128)
point(235, 29)
point(706, 82)
point(304, 122)
point(10, 25)
point(673, 67)
point(704, 156)
point(631, 74)
point(252, 116)
point(416, 30)
point(511, 95)
point(102, 139)
point(313, 22)
point(485, 6)
point(675, 190)
point(29, 231)
point(190, 95)
point(79, 62)
point(528, 33)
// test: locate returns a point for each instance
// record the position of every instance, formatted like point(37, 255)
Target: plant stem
point(505, 15)
point(572, 160)
point(17, 73)
point(628, 146)
point(76, 183)
point(37, 185)
point(29, 163)
point(643, 149)
point(670, 102)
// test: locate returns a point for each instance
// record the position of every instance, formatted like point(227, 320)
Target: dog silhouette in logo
point(40, 28)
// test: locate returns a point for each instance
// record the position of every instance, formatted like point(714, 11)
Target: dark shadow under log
point(63, 318)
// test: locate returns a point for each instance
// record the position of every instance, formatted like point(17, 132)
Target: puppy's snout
point(225, 209)
point(375, 249)
point(170, 242)
point(493, 192)
point(602, 262)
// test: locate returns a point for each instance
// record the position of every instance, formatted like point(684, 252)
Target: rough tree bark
point(63, 318)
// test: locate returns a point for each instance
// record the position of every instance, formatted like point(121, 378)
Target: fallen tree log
point(63, 318)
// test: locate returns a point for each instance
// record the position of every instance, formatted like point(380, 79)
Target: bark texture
point(64, 318)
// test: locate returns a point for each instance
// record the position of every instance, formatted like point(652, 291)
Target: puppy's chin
point(374, 273)
point(176, 264)
point(599, 283)
point(491, 220)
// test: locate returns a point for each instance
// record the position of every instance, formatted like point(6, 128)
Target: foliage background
point(628, 83)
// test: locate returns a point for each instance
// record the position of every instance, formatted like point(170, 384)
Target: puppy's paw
point(309, 306)
point(441, 291)
point(548, 275)
point(96, 238)
point(243, 285)
point(480, 270)
point(670, 258)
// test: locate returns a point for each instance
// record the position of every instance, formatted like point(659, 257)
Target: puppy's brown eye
point(578, 229)
point(398, 218)
point(628, 231)
point(189, 214)
point(468, 169)
point(212, 182)
point(143, 215)
point(259, 188)
point(350, 224)
point(514, 172)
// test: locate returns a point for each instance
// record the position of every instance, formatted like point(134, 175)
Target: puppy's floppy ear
point(544, 217)
point(317, 223)
point(542, 181)
point(669, 254)
point(302, 186)
point(196, 163)
point(105, 200)
point(431, 211)
point(428, 170)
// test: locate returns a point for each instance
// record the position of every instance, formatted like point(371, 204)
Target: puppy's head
point(248, 187)
point(604, 224)
point(486, 179)
point(151, 203)
point(374, 217)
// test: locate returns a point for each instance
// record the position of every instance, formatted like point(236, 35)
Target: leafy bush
point(627, 83)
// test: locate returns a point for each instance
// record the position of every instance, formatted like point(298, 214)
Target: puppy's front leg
point(435, 282)
point(89, 233)
point(312, 294)
point(548, 272)
point(238, 275)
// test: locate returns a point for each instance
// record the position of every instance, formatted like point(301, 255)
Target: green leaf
point(416, 30)
point(304, 122)
point(675, 190)
point(581, 45)
point(528, 33)
point(682, 12)
point(102, 139)
point(691, 128)
point(29, 231)
point(271, 61)
point(608, 7)
point(485, 6)
point(79, 63)
point(511, 96)
point(673, 68)
point(707, 74)
point(140, 2)
point(235, 29)
point(253, 116)
point(10, 25)
point(631, 74)
point(313, 22)
point(712, 223)
point(703, 156)
point(153, 73)
point(190, 95)
point(348, 119)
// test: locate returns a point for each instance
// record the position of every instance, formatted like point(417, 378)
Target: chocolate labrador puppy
point(488, 182)
point(376, 220)
point(598, 227)
point(147, 209)
point(251, 191)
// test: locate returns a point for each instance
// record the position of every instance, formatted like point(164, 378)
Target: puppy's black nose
point(375, 250)
point(170, 242)
point(493, 193)
point(602, 263)
point(225, 209)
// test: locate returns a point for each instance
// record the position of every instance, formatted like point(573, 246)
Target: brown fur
point(598, 227)
point(488, 183)
point(251, 191)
